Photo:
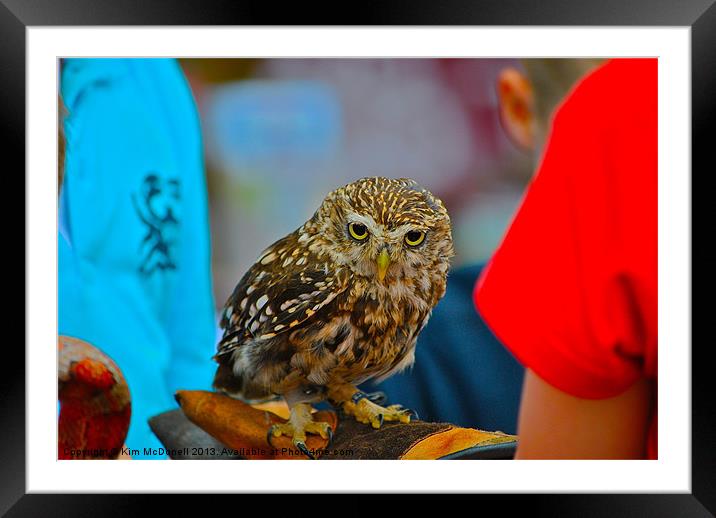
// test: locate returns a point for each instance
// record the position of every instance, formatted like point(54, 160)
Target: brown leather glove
point(211, 425)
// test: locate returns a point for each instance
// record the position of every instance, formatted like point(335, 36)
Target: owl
point(337, 302)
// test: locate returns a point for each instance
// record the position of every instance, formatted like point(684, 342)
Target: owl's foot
point(366, 411)
point(298, 425)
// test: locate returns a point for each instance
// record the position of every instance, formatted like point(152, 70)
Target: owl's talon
point(270, 435)
point(402, 414)
point(304, 449)
point(378, 422)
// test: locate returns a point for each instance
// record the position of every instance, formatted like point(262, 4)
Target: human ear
point(516, 104)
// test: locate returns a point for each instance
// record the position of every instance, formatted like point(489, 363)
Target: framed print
point(253, 123)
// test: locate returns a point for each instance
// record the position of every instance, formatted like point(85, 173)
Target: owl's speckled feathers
point(320, 307)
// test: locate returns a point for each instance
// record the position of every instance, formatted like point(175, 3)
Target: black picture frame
point(700, 15)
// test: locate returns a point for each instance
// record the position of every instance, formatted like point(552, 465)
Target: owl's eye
point(358, 231)
point(414, 237)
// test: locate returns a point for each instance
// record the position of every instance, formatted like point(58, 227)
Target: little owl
point(337, 302)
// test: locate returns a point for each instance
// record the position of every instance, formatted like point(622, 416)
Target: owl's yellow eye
point(414, 237)
point(358, 231)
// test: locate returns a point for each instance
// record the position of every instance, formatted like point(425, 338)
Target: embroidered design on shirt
point(156, 205)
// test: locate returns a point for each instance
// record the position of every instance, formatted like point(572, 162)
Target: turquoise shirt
point(134, 252)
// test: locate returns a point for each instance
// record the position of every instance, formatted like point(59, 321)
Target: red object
point(572, 290)
point(95, 407)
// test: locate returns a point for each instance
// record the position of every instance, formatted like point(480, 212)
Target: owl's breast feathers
point(386, 320)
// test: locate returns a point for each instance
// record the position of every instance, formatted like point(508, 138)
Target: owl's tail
point(239, 387)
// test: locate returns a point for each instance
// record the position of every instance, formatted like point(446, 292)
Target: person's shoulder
point(621, 68)
point(165, 73)
point(616, 86)
point(116, 81)
point(623, 76)
point(81, 77)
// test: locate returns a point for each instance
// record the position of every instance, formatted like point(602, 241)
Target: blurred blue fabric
point(462, 373)
point(134, 253)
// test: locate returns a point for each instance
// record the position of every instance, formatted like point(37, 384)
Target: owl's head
point(386, 229)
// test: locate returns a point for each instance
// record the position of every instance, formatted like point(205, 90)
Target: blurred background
point(279, 134)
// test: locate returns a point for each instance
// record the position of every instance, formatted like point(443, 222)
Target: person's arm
point(556, 425)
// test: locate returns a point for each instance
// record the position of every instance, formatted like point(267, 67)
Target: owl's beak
point(383, 263)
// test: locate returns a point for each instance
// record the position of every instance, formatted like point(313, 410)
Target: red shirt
point(572, 289)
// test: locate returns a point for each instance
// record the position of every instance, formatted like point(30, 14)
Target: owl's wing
point(272, 299)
